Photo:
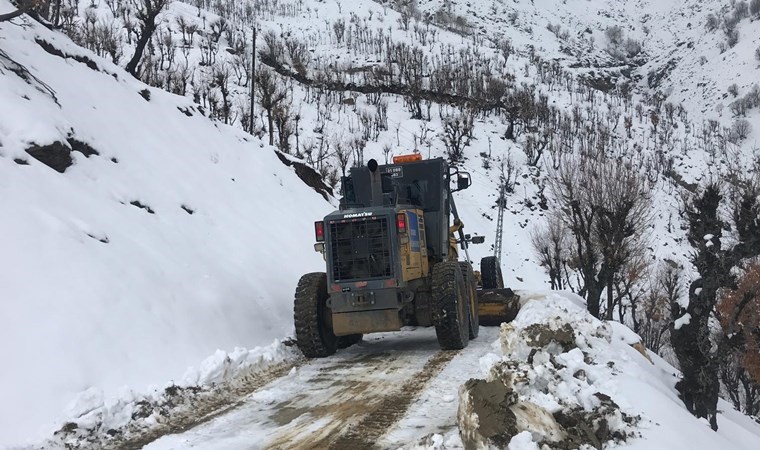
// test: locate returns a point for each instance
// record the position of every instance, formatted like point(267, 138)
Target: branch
point(24, 8)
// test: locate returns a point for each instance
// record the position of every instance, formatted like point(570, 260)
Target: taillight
point(401, 222)
point(319, 231)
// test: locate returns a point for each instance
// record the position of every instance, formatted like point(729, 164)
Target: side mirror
point(478, 239)
point(463, 181)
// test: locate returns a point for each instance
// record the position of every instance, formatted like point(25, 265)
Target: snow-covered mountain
point(171, 235)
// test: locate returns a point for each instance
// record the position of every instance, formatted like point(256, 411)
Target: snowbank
point(572, 378)
point(178, 238)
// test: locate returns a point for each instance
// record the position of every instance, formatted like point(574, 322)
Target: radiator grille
point(361, 249)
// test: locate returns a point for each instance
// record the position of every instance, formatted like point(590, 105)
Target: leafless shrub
point(754, 7)
point(273, 48)
point(457, 133)
point(740, 129)
point(339, 28)
point(712, 22)
point(614, 35)
point(298, 53)
point(741, 10)
point(632, 47)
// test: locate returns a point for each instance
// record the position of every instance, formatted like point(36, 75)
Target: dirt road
point(390, 391)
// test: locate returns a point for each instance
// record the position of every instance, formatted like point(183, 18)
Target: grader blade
point(496, 306)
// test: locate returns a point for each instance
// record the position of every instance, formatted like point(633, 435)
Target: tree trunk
point(147, 31)
point(610, 299)
point(270, 128)
point(593, 297)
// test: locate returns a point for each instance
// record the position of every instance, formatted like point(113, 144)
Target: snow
point(681, 321)
point(522, 441)
point(90, 324)
point(613, 367)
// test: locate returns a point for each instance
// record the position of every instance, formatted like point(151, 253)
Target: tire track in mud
point(393, 407)
point(368, 404)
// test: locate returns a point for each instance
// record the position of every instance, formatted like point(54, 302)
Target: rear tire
point(348, 341)
point(471, 287)
point(490, 273)
point(452, 309)
point(314, 334)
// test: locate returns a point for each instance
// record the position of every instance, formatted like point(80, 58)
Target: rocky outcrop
point(308, 175)
point(57, 155)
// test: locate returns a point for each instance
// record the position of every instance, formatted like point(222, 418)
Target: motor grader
point(392, 260)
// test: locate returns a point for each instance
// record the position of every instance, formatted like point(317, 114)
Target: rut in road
point(365, 410)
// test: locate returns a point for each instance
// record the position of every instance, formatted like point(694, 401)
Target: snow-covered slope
point(98, 293)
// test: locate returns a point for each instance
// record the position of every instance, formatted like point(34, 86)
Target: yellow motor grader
point(392, 260)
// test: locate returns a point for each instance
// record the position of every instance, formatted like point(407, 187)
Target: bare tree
point(651, 319)
point(270, 95)
point(24, 7)
point(604, 203)
point(342, 154)
point(284, 122)
point(457, 132)
point(550, 243)
point(146, 11)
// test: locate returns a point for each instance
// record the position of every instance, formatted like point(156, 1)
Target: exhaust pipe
point(376, 183)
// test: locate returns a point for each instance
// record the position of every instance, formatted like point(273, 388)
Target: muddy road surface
point(392, 390)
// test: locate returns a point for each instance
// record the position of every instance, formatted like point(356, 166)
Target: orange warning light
point(400, 159)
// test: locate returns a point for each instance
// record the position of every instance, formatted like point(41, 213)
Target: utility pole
point(253, 76)
point(500, 219)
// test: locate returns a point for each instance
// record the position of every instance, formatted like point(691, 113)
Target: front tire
point(452, 324)
point(314, 334)
point(471, 287)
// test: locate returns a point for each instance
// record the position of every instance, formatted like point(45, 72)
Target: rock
point(57, 155)
point(484, 415)
point(538, 421)
point(308, 175)
point(82, 147)
point(540, 335)
point(490, 414)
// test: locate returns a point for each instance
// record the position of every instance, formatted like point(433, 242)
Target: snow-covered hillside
point(172, 235)
point(180, 236)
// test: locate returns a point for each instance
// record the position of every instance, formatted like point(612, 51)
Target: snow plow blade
point(496, 306)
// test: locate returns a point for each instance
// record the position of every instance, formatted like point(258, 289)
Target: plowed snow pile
point(568, 380)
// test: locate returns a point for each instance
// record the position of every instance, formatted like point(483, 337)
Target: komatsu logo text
point(354, 215)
